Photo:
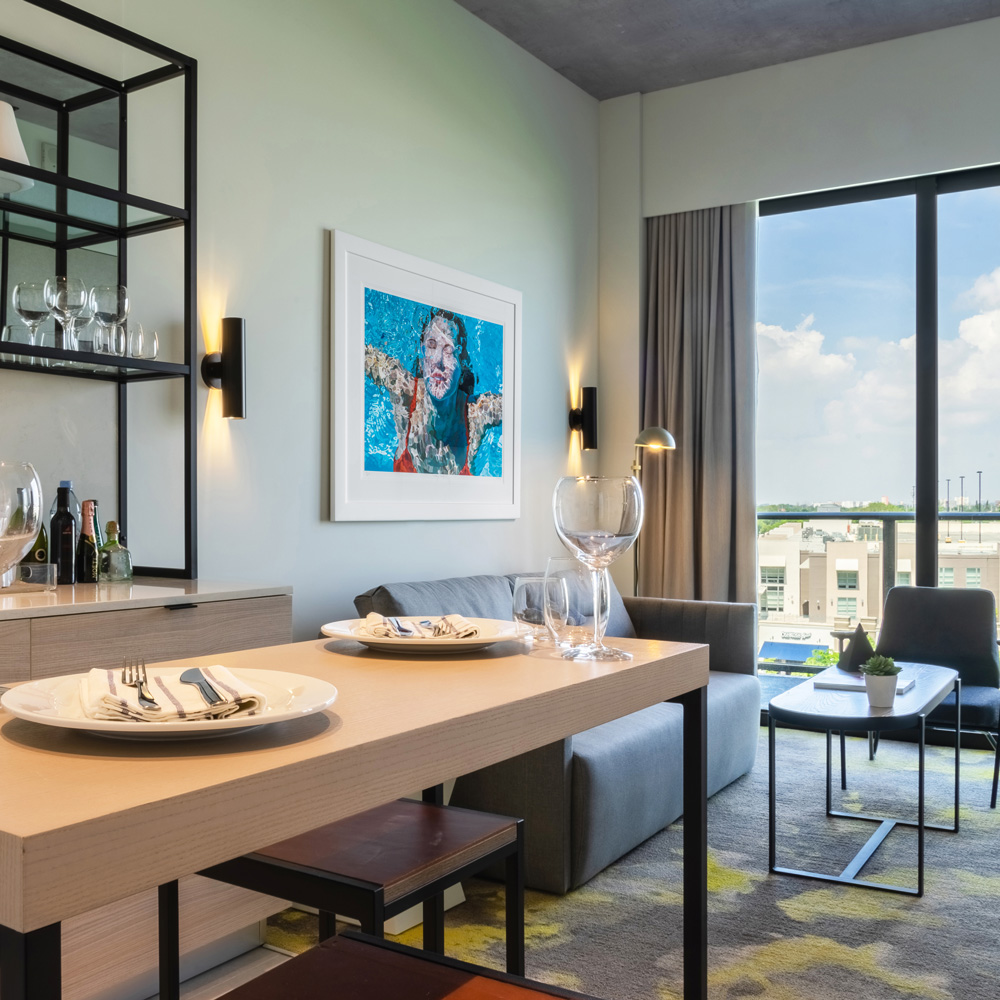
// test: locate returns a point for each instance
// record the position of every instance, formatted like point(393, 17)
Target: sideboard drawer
point(15, 651)
point(69, 643)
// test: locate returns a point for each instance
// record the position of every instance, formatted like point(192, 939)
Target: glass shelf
point(82, 364)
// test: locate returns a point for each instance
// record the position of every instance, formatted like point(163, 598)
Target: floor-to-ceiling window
point(878, 336)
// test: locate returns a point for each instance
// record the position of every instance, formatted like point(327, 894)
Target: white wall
point(911, 106)
point(407, 122)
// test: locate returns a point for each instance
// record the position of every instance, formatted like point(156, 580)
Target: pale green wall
point(407, 122)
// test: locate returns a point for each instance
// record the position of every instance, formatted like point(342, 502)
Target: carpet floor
point(774, 936)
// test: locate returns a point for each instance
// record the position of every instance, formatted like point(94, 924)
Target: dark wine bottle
point(62, 531)
point(86, 547)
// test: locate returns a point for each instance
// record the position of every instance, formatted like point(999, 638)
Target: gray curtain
point(698, 380)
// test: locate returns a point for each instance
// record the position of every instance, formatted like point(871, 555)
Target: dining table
point(86, 820)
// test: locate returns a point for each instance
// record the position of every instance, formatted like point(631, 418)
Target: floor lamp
point(656, 439)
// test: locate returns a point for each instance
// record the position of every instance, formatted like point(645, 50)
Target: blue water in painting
point(393, 325)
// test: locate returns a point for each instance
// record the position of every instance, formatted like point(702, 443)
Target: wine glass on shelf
point(597, 519)
point(65, 298)
point(142, 343)
point(110, 306)
point(28, 300)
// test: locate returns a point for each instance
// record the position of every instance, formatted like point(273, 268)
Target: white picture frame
point(387, 463)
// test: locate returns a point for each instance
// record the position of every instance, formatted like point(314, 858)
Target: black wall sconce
point(227, 370)
point(584, 417)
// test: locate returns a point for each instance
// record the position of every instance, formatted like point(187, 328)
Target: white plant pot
point(881, 690)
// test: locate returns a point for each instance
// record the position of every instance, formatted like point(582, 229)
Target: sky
point(835, 343)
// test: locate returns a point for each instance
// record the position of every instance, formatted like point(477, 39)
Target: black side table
point(825, 710)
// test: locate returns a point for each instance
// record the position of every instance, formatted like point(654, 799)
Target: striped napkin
point(443, 627)
point(103, 696)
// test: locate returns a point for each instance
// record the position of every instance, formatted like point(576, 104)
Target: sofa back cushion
point(484, 596)
point(471, 596)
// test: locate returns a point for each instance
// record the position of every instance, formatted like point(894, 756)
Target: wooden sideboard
point(74, 628)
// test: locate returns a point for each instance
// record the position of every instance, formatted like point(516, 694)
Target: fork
point(134, 675)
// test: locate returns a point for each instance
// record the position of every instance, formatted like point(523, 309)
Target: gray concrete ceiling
point(615, 47)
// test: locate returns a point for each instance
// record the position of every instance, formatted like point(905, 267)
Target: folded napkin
point(103, 696)
point(444, 627)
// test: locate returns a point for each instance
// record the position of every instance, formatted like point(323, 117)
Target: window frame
point(926, 190)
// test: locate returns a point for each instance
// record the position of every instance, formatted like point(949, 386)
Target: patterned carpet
point(774, 936)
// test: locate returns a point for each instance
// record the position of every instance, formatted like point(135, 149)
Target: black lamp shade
point(227, 370)
point(584, 417)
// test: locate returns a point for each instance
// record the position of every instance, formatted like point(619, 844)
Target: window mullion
point(927, 384)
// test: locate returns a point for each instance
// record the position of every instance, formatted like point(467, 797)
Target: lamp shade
point(11, 148)
point(656, 438)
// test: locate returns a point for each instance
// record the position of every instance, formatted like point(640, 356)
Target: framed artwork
point(426, 371)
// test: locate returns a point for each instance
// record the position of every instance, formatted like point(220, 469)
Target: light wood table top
point(85, 821)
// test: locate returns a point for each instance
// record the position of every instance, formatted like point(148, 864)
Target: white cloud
point(829, 422)
point(798, 353)
point(985, 292)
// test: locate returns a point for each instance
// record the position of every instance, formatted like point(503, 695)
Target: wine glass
point(20, 515)
point(29, 304)
point(142, 343)
point(569, 602)
point(110, 306)
point(597, 519)
point(65, 298)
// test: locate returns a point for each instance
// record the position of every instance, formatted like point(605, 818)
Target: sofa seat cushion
point(625, 773)
point(470, 596)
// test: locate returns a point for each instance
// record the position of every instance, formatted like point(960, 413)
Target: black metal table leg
point(695, 705)
point(31, 963)
point(922, 730)
point(770, 793)
point(168, 920)
point(433, 908)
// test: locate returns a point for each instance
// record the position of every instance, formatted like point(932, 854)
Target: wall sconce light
point(654, 438)
point(227, 370)
point(584, 417)
point(12, 148)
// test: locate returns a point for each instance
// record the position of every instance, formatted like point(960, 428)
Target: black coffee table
point(809, 707)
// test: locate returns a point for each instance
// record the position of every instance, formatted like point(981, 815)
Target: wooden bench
point(381, 862)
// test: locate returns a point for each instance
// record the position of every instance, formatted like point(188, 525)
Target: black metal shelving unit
point(35, 77)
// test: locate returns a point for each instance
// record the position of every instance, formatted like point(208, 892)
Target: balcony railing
point(960, 528)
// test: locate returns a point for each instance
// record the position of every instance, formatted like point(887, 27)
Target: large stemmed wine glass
point(66, 298)
point(597, 519)
point(28, 300)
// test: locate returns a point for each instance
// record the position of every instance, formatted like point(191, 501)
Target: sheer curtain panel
point(698, 379)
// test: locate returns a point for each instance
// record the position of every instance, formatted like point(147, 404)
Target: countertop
point(142, 592)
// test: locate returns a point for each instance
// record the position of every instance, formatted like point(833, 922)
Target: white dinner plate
point(491, 630)
point(55, 701)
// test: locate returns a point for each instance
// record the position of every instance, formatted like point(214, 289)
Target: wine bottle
point(39, 552)
point(115, 559)
point(86, 547)
point(98, 533)
point(74, 504)
point(62, 530)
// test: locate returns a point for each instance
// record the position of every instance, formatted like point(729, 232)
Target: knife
point(193, 675)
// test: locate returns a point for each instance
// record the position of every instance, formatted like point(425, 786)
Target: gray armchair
point(589, 799)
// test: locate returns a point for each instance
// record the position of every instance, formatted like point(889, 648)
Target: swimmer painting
point(433, 389)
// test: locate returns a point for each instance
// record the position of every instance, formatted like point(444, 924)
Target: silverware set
point(134, 675)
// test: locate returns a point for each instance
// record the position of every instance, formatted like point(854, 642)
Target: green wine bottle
point(39, 552)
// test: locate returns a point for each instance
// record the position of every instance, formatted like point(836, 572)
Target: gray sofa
point(591, 798)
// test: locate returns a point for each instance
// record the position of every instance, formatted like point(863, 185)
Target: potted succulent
point(880, 680)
